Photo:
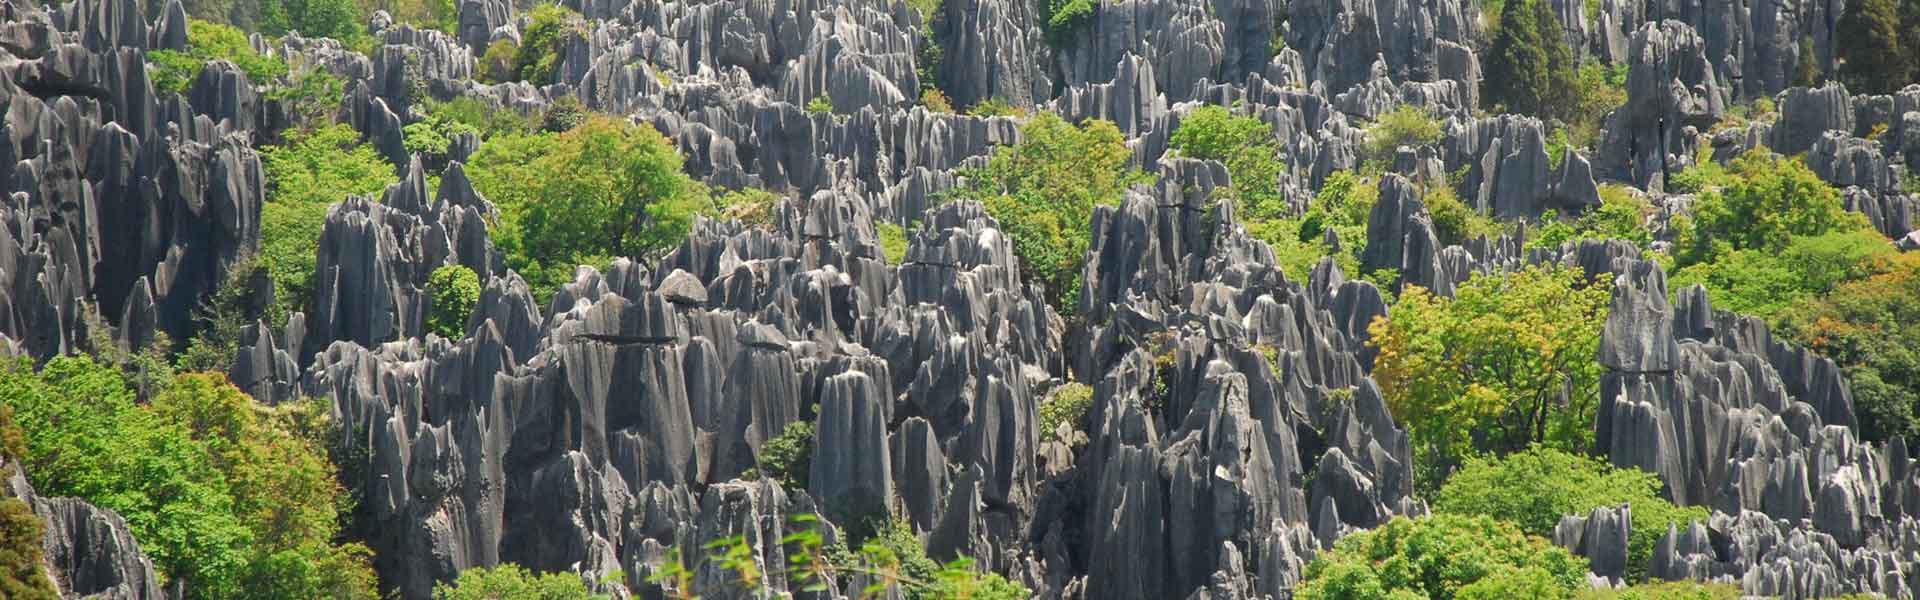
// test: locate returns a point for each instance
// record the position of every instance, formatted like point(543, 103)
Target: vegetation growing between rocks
point(306, 175)
point(235, 498)
point(509, 581)
point(1043, 191)
point(1245, 145)
point(892, 560)
point(1067, 404)
point(786, 458)
point(1532, 489)
point(1442, 557)
point(452, 293)
point(21, 533)
point(207, 42)
point(1510, 358)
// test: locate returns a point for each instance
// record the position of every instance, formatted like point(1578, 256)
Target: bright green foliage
point(1043, 190)
point(995, 107)
point(1529, 69)
point(1405, 125)
point(1067, 404)
point(891, 558)
point(452, 292)
point(1343, 203)
point(893, 241)
point(434, 134)
point(820, 105)
point(604, 188)
point(1867, 41)
point(1486, 369)
point(564, 114)
point(207, 42)
point(497, 64)
point(1245, 144)
point(1532, 489)
point(342, 20)
point(513, 582)
point(537, 59)
point(1765, 283)
point(21, 574)
point(310, 172)
point(470, 113)
point(1442, 557)
point(1063, 18)
point(218, 491)
point(1454, 221)
point(787, 458)
point(1766, 201)
point(1665, 590)
point(1622, 215)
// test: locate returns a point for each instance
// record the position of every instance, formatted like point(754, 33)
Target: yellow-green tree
point(1507, 362)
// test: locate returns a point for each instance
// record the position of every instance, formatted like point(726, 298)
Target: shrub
point(936, 101)
point(509, 581)
point(995, 107)
point(786, 458)
point(752, 206)
point(452, 293)
point(1665, 590)
point(1510, 358)
point(173, 71)
point(537, 60)
point(1455, 222)
point(478, 116)
point(1043, 189)
point(1405, 125)
point(820, 105)
point(1532, 489)
point(342, 20)
point(1245, 145)
point(891, 558)
point(499, 64)
point(1067, 404)
point(306, 175)
point(893, 242)
point(1064, 18)
point(1442, 557)
point(218, 491)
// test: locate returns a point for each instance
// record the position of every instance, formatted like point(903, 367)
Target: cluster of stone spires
point(592, 430)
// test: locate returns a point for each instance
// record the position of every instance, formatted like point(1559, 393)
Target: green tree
point(21, 533)
point(1245, 144)
point(548, 28)
point(1870, 326)
point(452, 292)
point(218, 492)
point(174, 71)
point(306, 175)
point(509, 581)
point(605, 188)
point(1509, 361)
point(1442, 557)
point(893, 241)
point(1867, 40)
point(1043, 189)
point(786, 458)
point(1665, 590)
point(1529, 69)
point(1532, 489)
point(342, 20)
point(1806, 69)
